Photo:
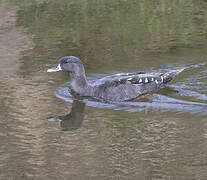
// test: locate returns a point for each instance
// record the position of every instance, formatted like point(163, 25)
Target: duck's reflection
point(74, 119)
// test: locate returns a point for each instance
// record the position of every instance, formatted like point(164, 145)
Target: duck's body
point(118, 87)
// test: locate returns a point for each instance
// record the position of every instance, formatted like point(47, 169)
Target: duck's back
point(127, 86)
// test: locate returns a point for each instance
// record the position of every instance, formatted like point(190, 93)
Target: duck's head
point(70, 64)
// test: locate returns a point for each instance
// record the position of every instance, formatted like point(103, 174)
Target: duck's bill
point(55, 69)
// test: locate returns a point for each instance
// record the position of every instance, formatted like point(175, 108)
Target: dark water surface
point(46, 135)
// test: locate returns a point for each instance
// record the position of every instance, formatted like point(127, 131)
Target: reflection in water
point(74, 119)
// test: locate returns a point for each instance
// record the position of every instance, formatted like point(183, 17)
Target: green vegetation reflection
point(139, 25)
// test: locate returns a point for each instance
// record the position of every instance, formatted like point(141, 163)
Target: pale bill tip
point(55, 69)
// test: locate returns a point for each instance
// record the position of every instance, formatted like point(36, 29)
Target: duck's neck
point(79, 83)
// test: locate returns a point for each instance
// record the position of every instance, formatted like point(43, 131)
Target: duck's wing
point(118, 76)
point(126, 86)
point(168, 76)
point(138, 78)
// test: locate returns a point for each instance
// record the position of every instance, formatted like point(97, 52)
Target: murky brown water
point(45, 135)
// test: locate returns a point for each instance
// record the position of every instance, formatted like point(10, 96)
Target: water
point(47, 134)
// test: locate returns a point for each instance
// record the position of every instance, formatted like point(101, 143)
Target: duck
point(118, 87)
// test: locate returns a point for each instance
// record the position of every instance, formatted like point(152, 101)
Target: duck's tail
point(168, 76)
